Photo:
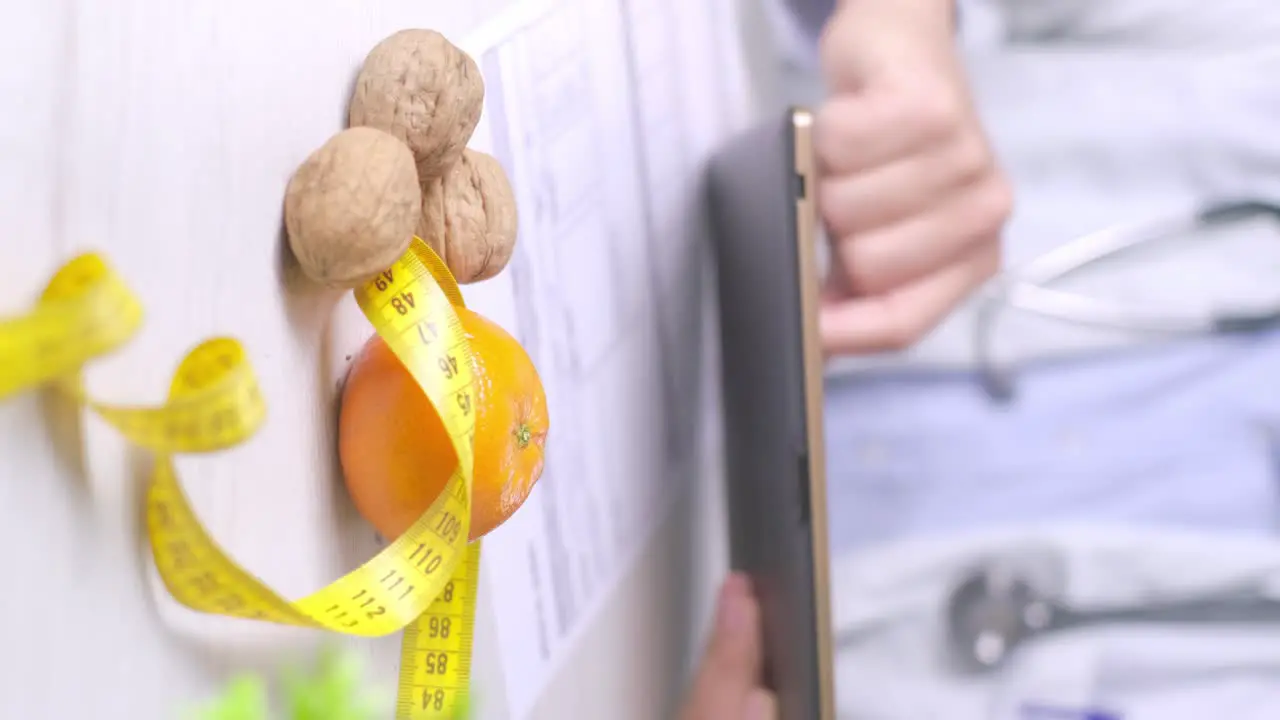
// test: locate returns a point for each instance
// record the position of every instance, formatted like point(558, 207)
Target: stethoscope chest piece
point(989, 613)
point(994, 610)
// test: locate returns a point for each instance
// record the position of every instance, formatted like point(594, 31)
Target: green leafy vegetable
point(335, 689)
point(334, 692)
point(244, 699)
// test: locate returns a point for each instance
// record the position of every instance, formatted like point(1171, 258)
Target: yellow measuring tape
point(424, 582)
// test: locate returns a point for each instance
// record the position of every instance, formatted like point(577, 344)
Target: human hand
point(727, 683)
point(909, 190)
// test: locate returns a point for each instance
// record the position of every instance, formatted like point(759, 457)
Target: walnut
point(469, 217)
point(351, 207)
point(423, 89)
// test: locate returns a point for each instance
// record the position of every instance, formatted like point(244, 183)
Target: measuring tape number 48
point(423, 583)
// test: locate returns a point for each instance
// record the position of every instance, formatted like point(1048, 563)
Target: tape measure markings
point(424, 582)
point(84, 312)
point(439, 646)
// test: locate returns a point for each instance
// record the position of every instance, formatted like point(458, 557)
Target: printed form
point(602, 113)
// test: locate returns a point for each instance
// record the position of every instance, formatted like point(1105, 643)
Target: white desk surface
point(163, 134)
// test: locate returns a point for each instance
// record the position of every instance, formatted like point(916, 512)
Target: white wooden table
point(163, 135)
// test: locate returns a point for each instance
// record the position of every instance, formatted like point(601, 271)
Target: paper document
point(602, 112)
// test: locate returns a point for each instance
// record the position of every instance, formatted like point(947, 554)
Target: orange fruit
point(396, 456)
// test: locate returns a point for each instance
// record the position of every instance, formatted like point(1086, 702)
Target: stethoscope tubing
point(1026, 288)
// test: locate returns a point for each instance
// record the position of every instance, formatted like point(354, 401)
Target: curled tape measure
point(423, 583)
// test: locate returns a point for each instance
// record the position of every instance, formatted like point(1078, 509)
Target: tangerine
point(396, 455)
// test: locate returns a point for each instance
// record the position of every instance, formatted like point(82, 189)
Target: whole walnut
point(469, 217)
point(423, 89)
point(351, 207)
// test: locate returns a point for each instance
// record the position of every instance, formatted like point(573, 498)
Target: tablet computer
point(760, 188)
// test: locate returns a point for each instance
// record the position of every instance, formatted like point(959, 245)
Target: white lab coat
point(892, 665)
point(1102, 111)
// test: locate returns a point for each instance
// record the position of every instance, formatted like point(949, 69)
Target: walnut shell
point(351, 207)
point(469, 217)
point(423, 89)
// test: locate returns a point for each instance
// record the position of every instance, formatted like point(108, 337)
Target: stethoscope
point(1026, 288)
point(997, 608)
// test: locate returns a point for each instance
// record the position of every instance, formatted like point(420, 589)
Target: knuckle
point(831, 132)
point(935, 113)
point(994, 204)
point(877, 283)
point(903, 330)
point(972, 158)
point(835, 214)
point(987, 264)
point(865, 275)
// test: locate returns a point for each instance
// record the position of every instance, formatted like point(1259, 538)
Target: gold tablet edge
point(806, 252)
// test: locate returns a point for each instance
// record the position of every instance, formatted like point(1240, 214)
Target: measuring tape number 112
point(424, 582)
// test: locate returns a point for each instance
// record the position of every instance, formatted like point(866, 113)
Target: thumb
point(735, 644)
point(731, 664)
point(761, 705)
